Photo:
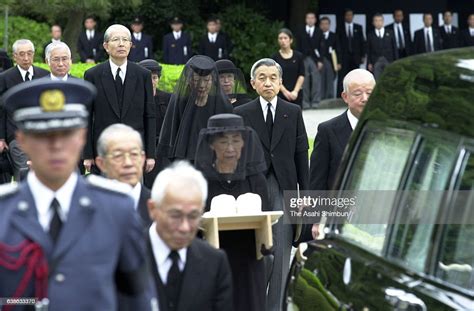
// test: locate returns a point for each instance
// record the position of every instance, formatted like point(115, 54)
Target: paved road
point(312, 118)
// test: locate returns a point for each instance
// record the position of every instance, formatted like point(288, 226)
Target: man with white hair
point(124, 95)
point(58, 58)
point(333, 135)
point(182, 265)
point(23, 54)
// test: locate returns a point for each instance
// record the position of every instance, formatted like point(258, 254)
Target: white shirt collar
point(382, 31)
point(161, 252)
point(135, 194)
point(348, 24)
point(23, 72)
point(309, 28)
point(264, 102)
point(123, 69)
point(326, 34)
point(352, 119)
point(43, 196)
point(54, 40)
point(53, 77)
point(427, 29)
point(212, 36)
point(137, 35)
point(177, 34)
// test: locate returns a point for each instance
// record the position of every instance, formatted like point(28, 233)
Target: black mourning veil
point(225, 137)
point(197, 96)
point(232, 82)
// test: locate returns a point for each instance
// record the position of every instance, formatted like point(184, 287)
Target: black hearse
point(415, 135)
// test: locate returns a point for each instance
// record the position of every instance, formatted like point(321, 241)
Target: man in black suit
point(308, 42)
point(213, 43)
point(89, 43)
point(449, 33)
point(401, 31)
point(467, 35)
point(56, 34)
point(329, 45)
point(23, 54)
point(427, 39)
point(58, 58)
point(280, 126)
point(121, 157)
point(177, 44)
point(189, 273)
point(124, 95)
point(142, 44)
point(351, 39)
point(381, 47)
point(333, 135)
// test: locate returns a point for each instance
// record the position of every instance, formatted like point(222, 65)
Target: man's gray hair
point(265, 62)
point(179, 171)
point(116, 27)
point(53, 46)
point(116, 130)
point(22, 42)
point(358, 76)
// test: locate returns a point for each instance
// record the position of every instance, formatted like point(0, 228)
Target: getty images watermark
point(379, 207)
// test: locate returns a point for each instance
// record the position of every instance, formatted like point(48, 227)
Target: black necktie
point(269, 120)
point(119, 87)
point(428, 42)
point(56, 223)
point(173, 282)
point(27, 76)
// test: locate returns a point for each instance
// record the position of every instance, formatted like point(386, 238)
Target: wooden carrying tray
point(261, 223)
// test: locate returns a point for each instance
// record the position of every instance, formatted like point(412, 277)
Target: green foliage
point(307, 297)
point(24, 28)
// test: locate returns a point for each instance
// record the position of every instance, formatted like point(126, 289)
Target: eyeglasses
point(119, 156)
point(177, 218)
point(58, 60)
point(116, 40)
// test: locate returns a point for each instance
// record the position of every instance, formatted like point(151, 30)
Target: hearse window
point(456, 260)
point(378, 165)
point(414, 223)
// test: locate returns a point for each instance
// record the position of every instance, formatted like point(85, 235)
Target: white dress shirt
point(380, 32)
point(471, 31)
point(429, 32)
point(326, 35)
point(349, 29)
point(123, 70)
point(352, 119)
point(161, 252)
point(90, 34)
point(23, 72)
point(54, 78)
point(135, 194)
point(177, 35)
point(310, 30)
point(212, 36)
point(137, 35)
point(399, 29)
point(43, 196)
point(264, 103)
point(447, 28)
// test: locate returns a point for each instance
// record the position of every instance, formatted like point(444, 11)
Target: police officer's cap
point(137, 20)
point(45, 105)
point(176, 20)
point(151, 65)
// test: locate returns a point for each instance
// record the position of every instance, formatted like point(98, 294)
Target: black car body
point(415, 135)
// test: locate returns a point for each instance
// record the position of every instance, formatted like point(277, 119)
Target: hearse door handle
point(402, 300)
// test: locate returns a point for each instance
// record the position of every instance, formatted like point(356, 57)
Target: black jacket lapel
point(258, 123)
point(192, 275)
point(280, 123)
point(129, 91)
point(109, 87)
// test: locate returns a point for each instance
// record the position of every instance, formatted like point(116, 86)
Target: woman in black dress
point(232, 82)
point(291, 62)
point(196, 97)
point(231, 158)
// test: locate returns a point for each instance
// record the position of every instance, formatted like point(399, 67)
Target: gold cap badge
point(52, 100)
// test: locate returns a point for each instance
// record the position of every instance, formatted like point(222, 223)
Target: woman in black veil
point(197, 96)
point(232, 82)
point(231, 158)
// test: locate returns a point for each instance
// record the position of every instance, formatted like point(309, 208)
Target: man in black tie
point(449, 32)
point(23, 54)
point(213, 43)
point(177, 44)
point(329, 45)
point(467, 35)
point(180, 264)
point(381, 47)
point(124, 95)
point(142, 44)
point(427, 39)
point(401, 32)
point(89, 43)
point(352, 42)
point(280, 126)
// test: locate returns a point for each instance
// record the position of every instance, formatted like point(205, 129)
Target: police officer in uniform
point(72, 241)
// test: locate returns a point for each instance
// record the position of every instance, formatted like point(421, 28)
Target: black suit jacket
point(9, 79)
point(86, 47)
point(142, 49)
point(142, 207)
point(173, 50)
point(406, 37)
point(419, 41)
point(449, 41)
point(309, 45)
point(329, 145)
point(206, 282)
point(381, 47)
point(217, 50)
point(138, 107)
point(287, 152)
point(358, 44)
point(466, 38)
